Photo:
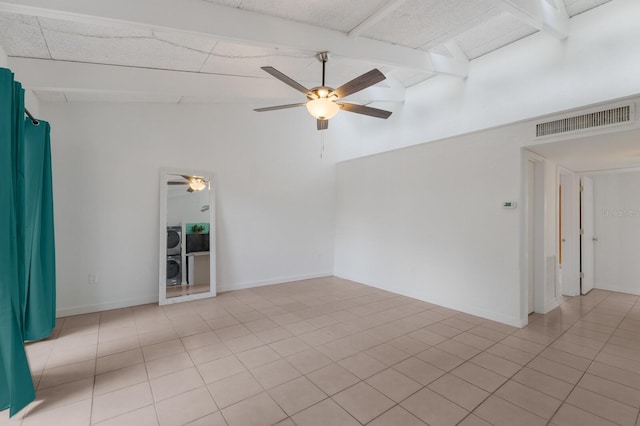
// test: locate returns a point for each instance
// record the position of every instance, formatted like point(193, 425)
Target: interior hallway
point(331, 351)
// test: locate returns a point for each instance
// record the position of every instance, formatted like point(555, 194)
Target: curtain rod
point(33, 119)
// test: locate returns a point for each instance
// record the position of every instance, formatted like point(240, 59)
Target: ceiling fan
point(196, 183)
point(323, 101)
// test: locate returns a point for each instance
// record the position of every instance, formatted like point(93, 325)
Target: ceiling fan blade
point(323, 124)
point(361, 109)
point(177, 183)
point(286, 80)
point(273, 108)
point(359, 83)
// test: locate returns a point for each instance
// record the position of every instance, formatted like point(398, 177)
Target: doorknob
point(594, 239)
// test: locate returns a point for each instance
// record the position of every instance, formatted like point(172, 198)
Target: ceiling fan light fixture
point(323, 108)
point(197, 183)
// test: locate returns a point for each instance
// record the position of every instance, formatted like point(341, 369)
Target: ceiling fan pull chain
point(321, 145)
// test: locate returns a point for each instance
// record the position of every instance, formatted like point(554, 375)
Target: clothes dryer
point(174, 240)
point(174, 270)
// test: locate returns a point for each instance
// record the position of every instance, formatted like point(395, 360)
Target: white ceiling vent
point(609, 117)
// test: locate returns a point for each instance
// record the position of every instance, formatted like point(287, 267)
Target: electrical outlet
point(93, 278)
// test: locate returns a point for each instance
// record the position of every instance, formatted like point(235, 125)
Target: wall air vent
point(586, 121)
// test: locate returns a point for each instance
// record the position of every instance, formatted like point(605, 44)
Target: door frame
point(538, 234)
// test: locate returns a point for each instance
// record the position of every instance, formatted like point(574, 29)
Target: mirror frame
point(165, 174)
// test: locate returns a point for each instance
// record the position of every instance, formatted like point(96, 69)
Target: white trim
point(472, 310)
point(616, 289)
point(609, 171)
point(539, 231)
point(99, 307)
point(271, 281)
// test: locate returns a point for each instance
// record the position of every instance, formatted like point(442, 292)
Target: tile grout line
point(367, 330)
point(590, 364)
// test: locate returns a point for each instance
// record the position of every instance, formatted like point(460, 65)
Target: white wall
point(3, 57)
point(535, 76)
point(427, 221)
point(617, 227)
point(437, 232)
point(31, 102)
point(275, 196)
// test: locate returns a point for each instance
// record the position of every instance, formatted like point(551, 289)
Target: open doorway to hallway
point(590, 196)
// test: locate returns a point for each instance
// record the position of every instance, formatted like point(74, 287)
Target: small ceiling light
point(197, 183)
point(323, 108)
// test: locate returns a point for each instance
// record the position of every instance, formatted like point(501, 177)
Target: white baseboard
point(617, 289)
point(472, 310)
point(280, 280)
point(99, 307)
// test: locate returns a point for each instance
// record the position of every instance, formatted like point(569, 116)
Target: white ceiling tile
point(333, 14)
point(20, 35)
point(478, 26)
point(497, 32)
point(50, 95)
point(121, 97)
point(118, 45)
point(419, 22)
point(575, 7)
point(303, 67)
point(191, 41)
point(339, 70)
point(235, 59)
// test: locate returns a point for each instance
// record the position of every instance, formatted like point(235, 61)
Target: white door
point(568, 256)
point(531, 178)
point(586, 237)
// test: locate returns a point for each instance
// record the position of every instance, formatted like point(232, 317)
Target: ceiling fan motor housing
point(322, 92)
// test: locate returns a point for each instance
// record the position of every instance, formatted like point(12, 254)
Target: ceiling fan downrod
point(323, 57)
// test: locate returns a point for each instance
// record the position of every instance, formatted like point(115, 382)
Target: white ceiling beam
point(556, 18)
point(457, 55)
point(233, 25)
point(78, 77)
point(376, 17)
point(546, 16)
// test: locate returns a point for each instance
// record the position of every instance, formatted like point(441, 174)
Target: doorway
point(534, 200)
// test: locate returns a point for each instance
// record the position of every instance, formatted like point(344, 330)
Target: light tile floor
point(333, 352)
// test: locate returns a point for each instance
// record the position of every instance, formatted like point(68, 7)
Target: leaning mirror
point(187, 236)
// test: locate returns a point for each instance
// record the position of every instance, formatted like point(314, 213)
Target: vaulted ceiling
point(181, 51)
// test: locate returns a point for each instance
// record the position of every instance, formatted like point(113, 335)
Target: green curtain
point(35, 231)
point(27, 256)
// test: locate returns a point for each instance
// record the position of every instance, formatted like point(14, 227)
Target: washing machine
point(174, 270)
point(174, 240)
